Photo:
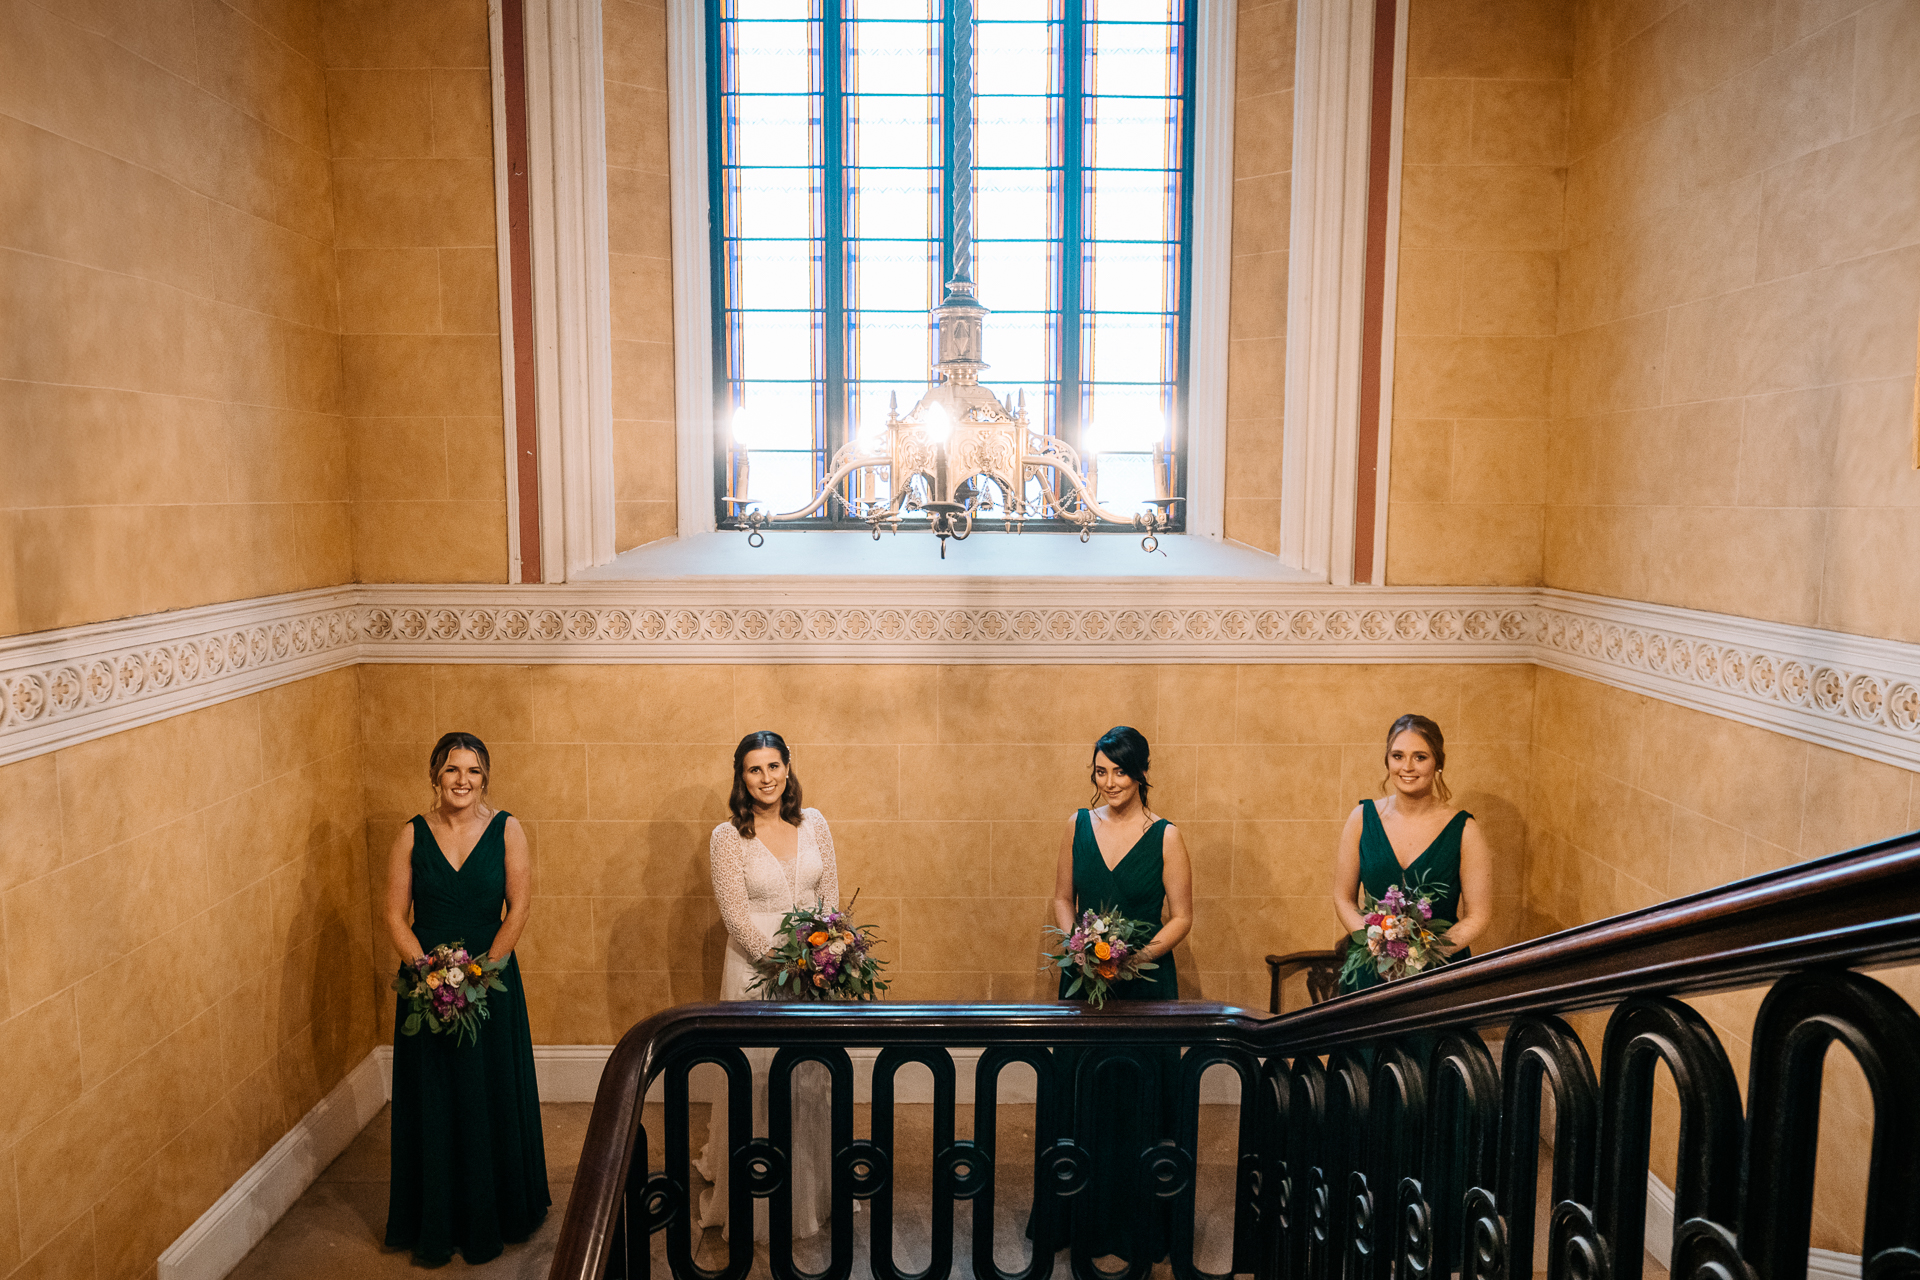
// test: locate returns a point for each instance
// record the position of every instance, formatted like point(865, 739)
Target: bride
point(769, 858)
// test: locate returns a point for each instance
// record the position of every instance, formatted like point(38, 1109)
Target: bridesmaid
point(770, 857)
point(1414, 831)
point(1119, 853)
point(469, 1165)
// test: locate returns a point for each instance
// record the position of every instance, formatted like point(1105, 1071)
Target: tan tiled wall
point(640, 248)
point(169, 370)
point(186, 968)
point(947, 789)
point(1480, 212)
point(410, 108)
point(1635, 801)
point(1257, 318)
point(1733, 411)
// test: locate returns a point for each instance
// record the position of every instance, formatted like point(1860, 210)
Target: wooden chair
point(1323, 973)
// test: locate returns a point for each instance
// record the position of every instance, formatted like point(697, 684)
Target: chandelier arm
point(820, 499)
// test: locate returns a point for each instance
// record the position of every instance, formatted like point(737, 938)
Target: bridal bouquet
point(823, 955)
point(1104, 948)
point(447, 992)
point(1401, 937)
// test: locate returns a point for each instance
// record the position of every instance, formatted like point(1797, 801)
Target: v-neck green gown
point(469, 1165)
point(1437, 865)
point(1126, 1098)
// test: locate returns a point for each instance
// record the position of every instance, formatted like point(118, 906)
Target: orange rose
point(1108, 970)
point(1102, 951)
point(817, 939)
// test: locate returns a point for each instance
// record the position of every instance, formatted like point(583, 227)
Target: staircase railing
point(1378, 1136)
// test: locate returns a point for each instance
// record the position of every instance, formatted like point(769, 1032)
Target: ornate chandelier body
point(960, 452)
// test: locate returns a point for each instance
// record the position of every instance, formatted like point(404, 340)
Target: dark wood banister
point(1852, 909)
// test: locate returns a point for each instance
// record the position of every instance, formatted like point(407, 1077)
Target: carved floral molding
point(1849, 692)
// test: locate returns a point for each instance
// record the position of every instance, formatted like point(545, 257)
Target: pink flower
point(1375, 918)
point(1426, 911)
point(1397, 949)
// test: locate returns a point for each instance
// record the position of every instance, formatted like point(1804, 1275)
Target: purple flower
point(1425, 909)
point(1397, 949)
point(1393, 900)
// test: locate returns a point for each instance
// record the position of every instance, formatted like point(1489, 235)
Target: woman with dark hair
point(1414, 834)
point(469, 1167)
point(770, 857)
point(1117, 853)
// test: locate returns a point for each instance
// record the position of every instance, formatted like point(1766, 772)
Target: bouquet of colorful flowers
point(1401, 937)
point(447, 992)
point(1104, 948)
point(821, 955)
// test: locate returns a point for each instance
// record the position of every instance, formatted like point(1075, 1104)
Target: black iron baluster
point(1396, 1150)
point(779, 1149)
point(739, 1105)
point(1274, 1206)
point(1536, 1050)
point(880, 1260)
point(1463, 1129)
point(1351, 1245)
point(1113, 1086)
point(1172, 1168)
point(1641, 1032)
point(1801, 1017)
point(1314, 1252)
point(986, 1105)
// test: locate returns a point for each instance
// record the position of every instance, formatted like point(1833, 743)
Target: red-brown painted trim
point(1386, 17)
point(526, 478)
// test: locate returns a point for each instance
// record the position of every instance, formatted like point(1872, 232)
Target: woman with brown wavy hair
point(770, 857)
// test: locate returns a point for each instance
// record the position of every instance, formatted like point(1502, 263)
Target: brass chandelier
point(961, 452)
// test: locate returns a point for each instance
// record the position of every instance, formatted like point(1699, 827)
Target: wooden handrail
point(1859, 908)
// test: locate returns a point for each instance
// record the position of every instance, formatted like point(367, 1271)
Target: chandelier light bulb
point(938, 425)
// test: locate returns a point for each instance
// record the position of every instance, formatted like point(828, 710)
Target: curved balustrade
point(1378, 1136)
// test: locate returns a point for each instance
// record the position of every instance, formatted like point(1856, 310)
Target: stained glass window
point(831, 136)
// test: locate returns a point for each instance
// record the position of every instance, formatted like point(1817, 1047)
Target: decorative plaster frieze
point(1852, 693)
point(58, 688)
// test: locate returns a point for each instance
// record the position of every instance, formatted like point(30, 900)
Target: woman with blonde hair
point(1415, 835)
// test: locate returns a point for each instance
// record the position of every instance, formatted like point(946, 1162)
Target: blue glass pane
point(781, 481)
point(771, 57)
point(1014, 133)
point(1020, 57)
point(891, 275)
point(907, 10)
point(1133, 204)
point(775, 202)
point(897, 348)
point(1013, 204)
point(1130, 277)
point(1133, 133)
point(1125, 482)
point(892, 204)
point(891, 57)
point(773, 131)
point(1016, 10)
point(1134, 10)
point(776, 344)
point(1125, 418)
point(1018, 349)
point(1016, 276)
point(1131, 60)
point(772, 415)
point(1122, 348)
point(776, 275)
point(771, 9)
point(900, 132)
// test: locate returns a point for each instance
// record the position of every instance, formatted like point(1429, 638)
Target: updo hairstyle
point(741, 801)
point(1436, 743)
point(452, 742)
point(1127, 749)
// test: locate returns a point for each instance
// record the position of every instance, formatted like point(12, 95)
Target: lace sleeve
point(726, 856)
point(829, 866)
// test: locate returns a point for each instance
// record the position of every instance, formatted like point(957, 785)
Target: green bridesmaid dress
point(1437, 866)
point(469, 1166)
point(1125, 1099)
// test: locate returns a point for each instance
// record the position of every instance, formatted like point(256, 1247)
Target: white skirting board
point(1822, 1264)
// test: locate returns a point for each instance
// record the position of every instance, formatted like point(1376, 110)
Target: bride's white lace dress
point(754, 889)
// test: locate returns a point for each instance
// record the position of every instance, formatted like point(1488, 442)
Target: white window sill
point(915, 554)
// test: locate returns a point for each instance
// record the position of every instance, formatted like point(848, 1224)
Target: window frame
point(700, 468)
